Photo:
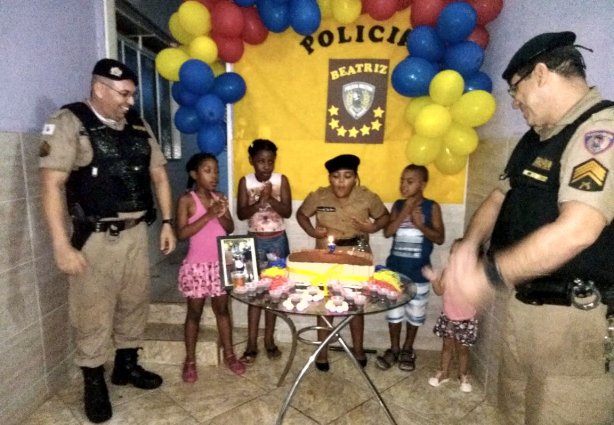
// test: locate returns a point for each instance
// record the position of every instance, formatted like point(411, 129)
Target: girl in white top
point(264, 200)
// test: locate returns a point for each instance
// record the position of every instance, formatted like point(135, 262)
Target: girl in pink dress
point(202, 216)
point(458, 327)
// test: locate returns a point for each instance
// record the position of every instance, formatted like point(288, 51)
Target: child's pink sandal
point(189, 374)
point(234, 365)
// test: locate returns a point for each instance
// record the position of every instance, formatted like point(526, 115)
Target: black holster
point(81, 233)
point(150, 216)
point(545, 291)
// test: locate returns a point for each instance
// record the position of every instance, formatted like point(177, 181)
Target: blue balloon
point(196, 76)
point(465, 57)
point(478, 81)
point(456, 22)
point(423, 42)
point(210, 108)
point(212, 138)
point(183, 96)
point(305, 16)
point(245, 3)
point(412, 76)
point(275, 15)
point(229, 86)
point(187, 120)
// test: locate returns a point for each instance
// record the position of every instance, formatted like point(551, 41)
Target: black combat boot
point(96, 395)
point(127, 371)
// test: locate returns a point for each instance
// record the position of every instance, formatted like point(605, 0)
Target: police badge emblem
point(358, 98)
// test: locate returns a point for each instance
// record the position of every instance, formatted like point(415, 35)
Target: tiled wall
point(35, 345)
point(486, 164)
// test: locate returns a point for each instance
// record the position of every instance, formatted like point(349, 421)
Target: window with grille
point(138, 42)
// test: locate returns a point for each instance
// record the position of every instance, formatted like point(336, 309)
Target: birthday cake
point(319, 267)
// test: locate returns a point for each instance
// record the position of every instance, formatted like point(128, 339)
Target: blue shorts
point(269, 249)
point(414, 312)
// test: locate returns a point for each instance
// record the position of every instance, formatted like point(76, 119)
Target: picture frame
point(238, 260)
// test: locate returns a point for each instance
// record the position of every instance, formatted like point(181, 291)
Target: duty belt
point(582, 294)
point(115, 226)
point(348, 241)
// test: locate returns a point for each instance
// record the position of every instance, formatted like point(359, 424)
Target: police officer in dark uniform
point(551, 241)
point(98, 160)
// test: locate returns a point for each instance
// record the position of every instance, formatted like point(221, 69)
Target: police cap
point(536, 46)
point(115, 70)
point(342, 162)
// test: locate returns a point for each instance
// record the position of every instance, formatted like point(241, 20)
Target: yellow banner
point(287, 81)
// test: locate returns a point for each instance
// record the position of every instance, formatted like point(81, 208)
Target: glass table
point(373, 303)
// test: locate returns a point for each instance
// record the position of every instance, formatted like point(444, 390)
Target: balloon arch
point(449, 95)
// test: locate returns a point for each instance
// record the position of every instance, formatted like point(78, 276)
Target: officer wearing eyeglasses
point(548, 236)
point(98, 163)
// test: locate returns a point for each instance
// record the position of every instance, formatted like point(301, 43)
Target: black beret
point(115, 70)
point(536, 46)
point(342, 162)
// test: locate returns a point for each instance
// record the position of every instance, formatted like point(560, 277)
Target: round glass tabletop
point(337, 301)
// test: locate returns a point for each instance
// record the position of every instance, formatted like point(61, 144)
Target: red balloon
point(381, 10)
point(487, 10)
point(229, 49)
point(227, 19)
point(425, 12)
point(209, 4)
point(480, 36)
point(404, 4)
point(254, 31)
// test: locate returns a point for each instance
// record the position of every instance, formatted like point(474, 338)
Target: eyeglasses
point(513, 89)
point(126, 94)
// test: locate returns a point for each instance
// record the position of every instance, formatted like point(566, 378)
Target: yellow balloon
point(217, 67)
point(460, 139)
point(446, 87)
point(194, 17)
point(422, 150)
point(448, 163)
point(326, 10)
point(168, 62)
point(185, 48)
point(433, 121)
point(474, 108)
point(203, 48)
point(415, 105)
point(177, 31)
point(346, 11)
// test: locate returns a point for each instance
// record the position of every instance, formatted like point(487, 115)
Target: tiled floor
point(338, 397)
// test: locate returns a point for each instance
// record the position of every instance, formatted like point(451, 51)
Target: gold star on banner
point(333, 124)
point(353, 132)
point(378, 113)
point(365, 130)
point(341, 131)
point(333, 110)
point(375, 125)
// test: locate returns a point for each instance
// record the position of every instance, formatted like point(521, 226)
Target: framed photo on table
point(238, 264)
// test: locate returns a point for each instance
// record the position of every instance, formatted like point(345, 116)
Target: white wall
point(521, 20)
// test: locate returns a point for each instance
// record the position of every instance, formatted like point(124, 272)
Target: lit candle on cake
point(331, 244)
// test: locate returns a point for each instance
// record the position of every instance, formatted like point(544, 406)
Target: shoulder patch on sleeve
point(48, 129)
point(589, 176)
point(598, 141)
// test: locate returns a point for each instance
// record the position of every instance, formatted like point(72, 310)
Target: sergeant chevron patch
point(589, 176)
